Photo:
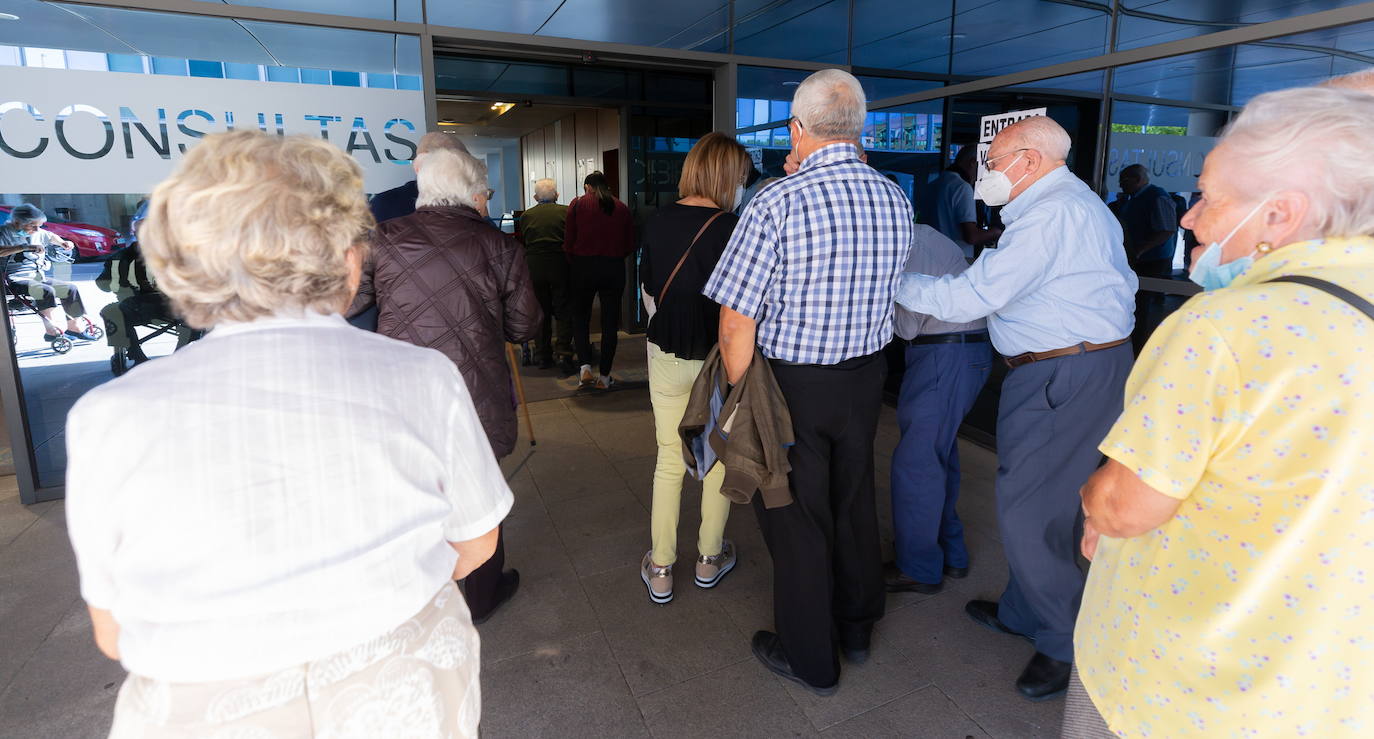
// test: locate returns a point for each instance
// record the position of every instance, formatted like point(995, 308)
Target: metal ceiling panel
point(388, 10)
point(41, 24)
point(681, 24)
point(808, 30)
point(335, 48)
point(174, 34)
point(509, 16)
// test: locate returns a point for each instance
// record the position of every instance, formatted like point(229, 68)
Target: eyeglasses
point(1003, 156)
point(489, 193)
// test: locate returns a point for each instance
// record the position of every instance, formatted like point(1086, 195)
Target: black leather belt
point(968, 338)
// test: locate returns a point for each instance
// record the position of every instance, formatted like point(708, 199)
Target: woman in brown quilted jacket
point(445, 278)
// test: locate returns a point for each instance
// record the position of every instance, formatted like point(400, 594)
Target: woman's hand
point(106, 632)
point(1090, 536)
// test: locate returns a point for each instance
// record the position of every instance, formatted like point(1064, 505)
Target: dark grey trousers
point(1052, 416)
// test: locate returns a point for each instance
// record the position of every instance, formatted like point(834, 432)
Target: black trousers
point(123, 318)
point(827, 565)
point(549, 275)
point(602, 278)
point(479, 587)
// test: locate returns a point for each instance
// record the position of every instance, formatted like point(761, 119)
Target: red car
point(92, 242)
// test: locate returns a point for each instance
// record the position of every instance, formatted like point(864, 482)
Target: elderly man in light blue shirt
point(1059, 299)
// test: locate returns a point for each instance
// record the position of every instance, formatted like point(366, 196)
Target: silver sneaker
point(711, 569)
point(659, 580)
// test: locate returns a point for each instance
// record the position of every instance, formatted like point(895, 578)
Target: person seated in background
point(1229, 529)
point(138, 301)
point(285, 567)
point(443, 277)
point(26, 268)
point(542, 229)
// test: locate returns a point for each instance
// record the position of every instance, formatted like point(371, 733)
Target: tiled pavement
point(581, 651)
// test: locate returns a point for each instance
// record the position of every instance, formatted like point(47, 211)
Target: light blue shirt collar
point(829, 154)
point(1016, 208)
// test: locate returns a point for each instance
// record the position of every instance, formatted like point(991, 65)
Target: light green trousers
point(670, 386)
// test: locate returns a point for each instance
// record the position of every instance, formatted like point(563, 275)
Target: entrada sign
point(69, 131)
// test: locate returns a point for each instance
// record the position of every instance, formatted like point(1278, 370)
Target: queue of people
point(1226, 594)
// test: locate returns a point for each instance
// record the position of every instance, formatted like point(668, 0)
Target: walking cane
point(520, 388)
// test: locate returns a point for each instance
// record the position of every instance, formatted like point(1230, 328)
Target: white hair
point(1314, 140)
point(830, 105)
point(545, 190)
point(1042, 134)
point(449, 177)
point(1362, 81)
point(440, 141)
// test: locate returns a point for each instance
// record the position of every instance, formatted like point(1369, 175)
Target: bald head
point(1039, 133)
point(1361, 81)
point(1133, 178)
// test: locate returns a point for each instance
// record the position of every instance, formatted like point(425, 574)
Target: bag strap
point(1330, 288)
point(683, 260)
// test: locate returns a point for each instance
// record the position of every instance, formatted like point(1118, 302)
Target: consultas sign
point(70, 131)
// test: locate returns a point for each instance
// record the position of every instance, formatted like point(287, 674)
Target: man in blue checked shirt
point(1059, 299)
point(809, 276)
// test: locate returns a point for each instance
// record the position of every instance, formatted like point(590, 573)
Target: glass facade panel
point(88, 167)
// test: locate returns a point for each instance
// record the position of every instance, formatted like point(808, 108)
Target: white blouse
point(271, 494)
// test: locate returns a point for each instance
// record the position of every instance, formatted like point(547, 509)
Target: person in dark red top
point(598, 237)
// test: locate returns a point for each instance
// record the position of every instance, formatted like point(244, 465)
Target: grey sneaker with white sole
point(711, 569)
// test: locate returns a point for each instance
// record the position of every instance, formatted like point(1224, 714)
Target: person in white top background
point(275, 553)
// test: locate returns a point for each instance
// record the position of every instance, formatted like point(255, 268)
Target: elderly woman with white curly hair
point(278, 558)
point(1229, 593)
point(443, 277)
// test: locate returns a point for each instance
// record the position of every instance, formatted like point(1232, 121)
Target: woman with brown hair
point(682, 243)
point(598, 237)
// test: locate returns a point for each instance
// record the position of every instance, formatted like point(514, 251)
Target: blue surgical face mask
point(1210, 273)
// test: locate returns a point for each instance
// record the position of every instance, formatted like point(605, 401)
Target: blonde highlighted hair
point(714, 168)
point(252, 225)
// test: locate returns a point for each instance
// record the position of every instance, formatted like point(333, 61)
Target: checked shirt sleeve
point(745, 273)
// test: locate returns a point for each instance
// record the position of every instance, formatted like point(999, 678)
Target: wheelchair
point(120, 361)
point(19, 301)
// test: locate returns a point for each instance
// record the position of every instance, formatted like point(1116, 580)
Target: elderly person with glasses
point(443, 277)
point(26, 265)
point(277, 557)
point(1229, 530)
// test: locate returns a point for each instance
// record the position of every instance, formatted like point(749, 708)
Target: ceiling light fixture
point(791, 83)
point(8, 17)
point(955, 36)
point(501, 108)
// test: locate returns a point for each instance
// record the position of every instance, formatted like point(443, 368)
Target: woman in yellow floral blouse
point(1232, 529)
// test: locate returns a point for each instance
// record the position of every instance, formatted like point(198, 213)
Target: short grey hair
point(1361, 81)
point(1042, 134)
point(439, 141)
point(545, 190)
point(830, 105)
point(449, 177)
point(1313, 140)
point(25, 214)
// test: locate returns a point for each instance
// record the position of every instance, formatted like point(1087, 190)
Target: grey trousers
point(1052, 416)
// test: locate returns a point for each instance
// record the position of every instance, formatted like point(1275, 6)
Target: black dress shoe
point(898, 582)
point(767, 648)
point(505, 590)
point(1044, 678)
point(984, 613)
point(958, 573)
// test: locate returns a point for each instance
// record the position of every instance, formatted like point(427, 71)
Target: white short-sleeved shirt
point(274, 493)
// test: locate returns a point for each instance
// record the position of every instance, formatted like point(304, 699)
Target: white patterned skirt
point(419, 681)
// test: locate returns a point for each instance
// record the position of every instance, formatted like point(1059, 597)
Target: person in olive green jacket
point(541, 229)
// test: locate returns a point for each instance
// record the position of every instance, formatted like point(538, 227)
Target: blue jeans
point(940, 385)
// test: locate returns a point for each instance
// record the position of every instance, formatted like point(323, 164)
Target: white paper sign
point(1174, 162)
point(990, 125)
point(72, 131)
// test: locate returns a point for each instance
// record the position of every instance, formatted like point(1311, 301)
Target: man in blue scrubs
point(1059, 299)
